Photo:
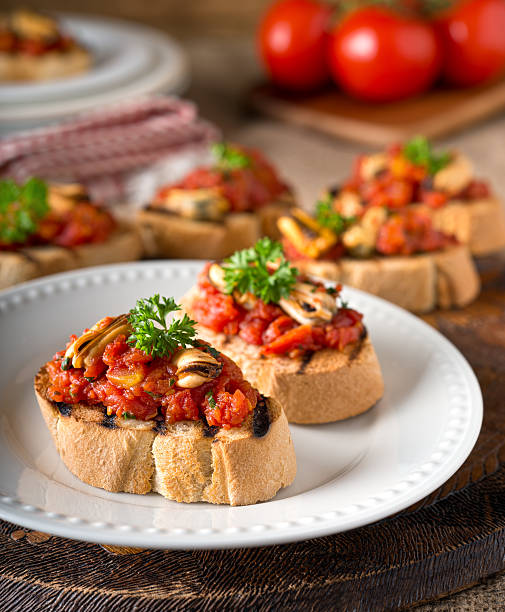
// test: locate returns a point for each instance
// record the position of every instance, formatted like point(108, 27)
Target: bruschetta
point(398, 256)
point(34, 48)
point(442, 185)
point(293, 338)
point(216, 210)
point(170, 415)
point(52, 228)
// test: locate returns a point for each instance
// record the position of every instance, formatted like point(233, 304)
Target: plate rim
point(256, 535)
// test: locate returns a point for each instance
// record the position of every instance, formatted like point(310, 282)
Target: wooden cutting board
point(435, 114)
point(447, 542)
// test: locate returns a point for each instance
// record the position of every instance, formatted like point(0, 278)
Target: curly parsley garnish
point(21, 209)
point(419, 151)
point(328, 217)
point(248, 271)
point(229, 157)
point(152, 334)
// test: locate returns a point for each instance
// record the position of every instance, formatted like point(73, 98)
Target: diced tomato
point(85, 223)
point(434, 199)
point(410, 232)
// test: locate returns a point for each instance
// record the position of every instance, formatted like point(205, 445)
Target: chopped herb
point(66, 363)
point(128, 415)
point(344, 304)
point(152, 334)
point(21, 209)
point(331, 291)
point(90, 378)
point(248, 271)
point(209, 396)
point(419, 151)
point(171, 382)
point(328, 217)
point(229, 157)
point(155, 395)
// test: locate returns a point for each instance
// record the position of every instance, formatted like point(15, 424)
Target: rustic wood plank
point(435, 114)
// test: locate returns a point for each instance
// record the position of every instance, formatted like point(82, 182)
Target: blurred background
point(218, 38)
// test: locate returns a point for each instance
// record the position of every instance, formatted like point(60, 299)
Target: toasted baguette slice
point(480, 224)
point(31, 262)
point(420, 283)
point(50, 65)
point(322, 387)
point(167, 235)
point(185, 462)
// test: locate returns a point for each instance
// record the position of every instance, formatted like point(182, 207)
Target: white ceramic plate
point(349, 473)
point(130, 60)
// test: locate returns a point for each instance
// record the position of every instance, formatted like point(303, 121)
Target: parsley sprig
point(420, 152)
point(328, 217)
point(21, 208)
point(229, 157)
point(151, 332)
point(248, 271)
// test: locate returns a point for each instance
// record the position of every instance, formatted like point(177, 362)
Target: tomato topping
point(400, 182)
point(245, 188)
point(410, 232)
point(84, 223)
point(131, 384)
point(268, 326)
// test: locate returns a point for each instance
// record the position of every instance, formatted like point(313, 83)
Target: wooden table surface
point(223, 68)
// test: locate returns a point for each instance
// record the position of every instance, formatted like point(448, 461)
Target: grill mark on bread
point(209, 431)
point(359, 345)
point(63, 408)
point(160, 428)
point(261, 418)
point(109, 421)
point(306, 359)
point(29, 257)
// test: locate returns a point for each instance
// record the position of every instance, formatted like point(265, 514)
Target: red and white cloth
point(101, 148)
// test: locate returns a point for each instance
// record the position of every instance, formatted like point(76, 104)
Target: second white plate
point(349, 473)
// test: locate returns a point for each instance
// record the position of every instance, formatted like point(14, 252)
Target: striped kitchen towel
point(102, 148)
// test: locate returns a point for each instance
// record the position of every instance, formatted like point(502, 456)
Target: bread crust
point(172, 236)
point(178, 461)
point(50, 65)
point(420, 283)
point(124, 244)
point(323, 387)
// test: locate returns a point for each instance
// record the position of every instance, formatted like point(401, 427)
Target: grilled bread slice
point(186, 462)
point(420, 283)
point(124, 244)
point(320, 387)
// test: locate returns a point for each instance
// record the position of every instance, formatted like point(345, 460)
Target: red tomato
point(292, 42)
point(473, 38)
point(378, 55)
